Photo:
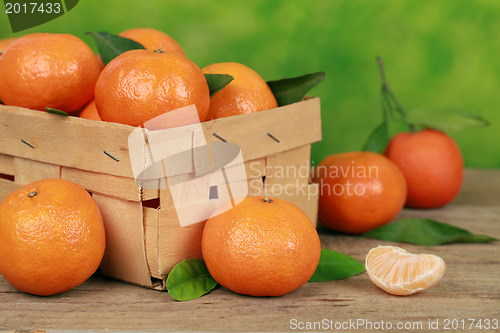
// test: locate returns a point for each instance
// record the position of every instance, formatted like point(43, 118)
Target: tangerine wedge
point(402, 273)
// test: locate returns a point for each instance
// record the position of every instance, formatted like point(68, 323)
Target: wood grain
point(469, 289)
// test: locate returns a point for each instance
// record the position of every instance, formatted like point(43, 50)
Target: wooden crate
point(144, 237)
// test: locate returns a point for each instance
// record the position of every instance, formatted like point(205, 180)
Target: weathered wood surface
point(470, 289)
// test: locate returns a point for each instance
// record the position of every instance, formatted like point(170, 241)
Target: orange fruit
point(261, 247)
point(247, 93)
point(51, 237)
point(153, 39)
point(90, 112)
point(399, 272)
point(432, 165)
point(4, 43)
point(359, 191)
point(139, 85)
point(48, 70)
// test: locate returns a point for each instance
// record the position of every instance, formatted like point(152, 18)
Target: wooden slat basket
point(144, 237)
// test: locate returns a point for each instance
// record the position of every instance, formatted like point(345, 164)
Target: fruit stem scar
point(387, 89)
point(267, 200)
point(32, 194)
point(159, 50)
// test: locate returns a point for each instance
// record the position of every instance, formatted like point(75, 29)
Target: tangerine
point(48, 70)
point(51, 237)
point(432, 165)
point(139, 85)
point(359, 191)
point(90, 112)
point(247, 93)
point(153, 39)
point(261, 247)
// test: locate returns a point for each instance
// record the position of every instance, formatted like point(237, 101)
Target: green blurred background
point(438, 53)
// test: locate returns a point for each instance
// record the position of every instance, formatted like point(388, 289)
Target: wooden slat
point(7, 187)
point(289, 167)
point(293, 125)
point(176, 243)
point(80, 143)
point(125, 256)
point(66, 141)
point(255, 168)
point(114, 186)
point(6, 164)
point(27, 171)
point(305, 197)
point(151, 224)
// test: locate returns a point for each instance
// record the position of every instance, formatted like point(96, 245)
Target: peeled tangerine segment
point(402, 273)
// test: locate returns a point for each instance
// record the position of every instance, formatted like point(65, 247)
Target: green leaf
point(425, 232)
point(110, 46)
point(378, 139)
point(292, 90)
point(190, 279)
point(56, 111)
point(217, 82)
point(445, 119)
point(334, 265)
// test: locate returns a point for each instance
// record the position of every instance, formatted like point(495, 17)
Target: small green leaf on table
point(334, 265)
point(445, 119)
point(56, 111)
point(292, 90)
point(190, 279)
point(110, 46)
point(425, 232)
point(217, 82)
point(378, 139)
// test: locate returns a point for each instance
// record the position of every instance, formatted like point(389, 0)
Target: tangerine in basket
point(51, 237)
point(139, 85)
point(432, 164)
point(247, 93)
point(153, 39)
point(261, 247)
point(48, 70)
point(399, 272)
point(359, 191)
point(90, 112)
point(4, 43)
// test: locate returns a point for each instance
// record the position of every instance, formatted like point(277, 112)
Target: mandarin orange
point(261, 247)
point(48, 70)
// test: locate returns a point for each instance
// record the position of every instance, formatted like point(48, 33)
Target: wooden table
point(470, 289)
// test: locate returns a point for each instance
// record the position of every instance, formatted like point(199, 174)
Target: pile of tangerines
point(261, 247)
point(60, 71)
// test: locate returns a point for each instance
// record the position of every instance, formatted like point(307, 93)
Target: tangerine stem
point(32, 194)
point(386, 88)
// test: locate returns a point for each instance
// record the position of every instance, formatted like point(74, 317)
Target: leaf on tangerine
point(110, 46)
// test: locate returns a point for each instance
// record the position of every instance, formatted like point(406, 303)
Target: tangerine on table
point(139, 85)
point(247, 93)
point(51, 237)
point(359, 191)
point(399, 272)
point(48, 70)
point(432, 165)
point(153, 39)
point(261, 247)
